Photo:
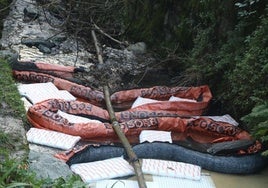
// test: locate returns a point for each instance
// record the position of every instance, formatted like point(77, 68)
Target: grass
point(10, 105)
point(16, 173)
point(9, 96)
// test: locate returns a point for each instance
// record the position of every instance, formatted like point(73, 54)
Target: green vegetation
point(4, 4)
point(10, 105)
point(9, 96)
point(218, 43)
point(258, 120)
point(16, 174)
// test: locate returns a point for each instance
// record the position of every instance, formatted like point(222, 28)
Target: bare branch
point(7, 7)
point(110, 37)
point(116, 126)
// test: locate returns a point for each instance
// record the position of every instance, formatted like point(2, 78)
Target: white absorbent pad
point(159, 182)
point(225, 118)
point(171, 169)
point(76, 119)
point(155, 135)
point(105, 169)
point(124, 184)
point(168, 182)
point(141, 101)
point(172, 98)
point(119, 167)
point(52, 138)
point(38, 92)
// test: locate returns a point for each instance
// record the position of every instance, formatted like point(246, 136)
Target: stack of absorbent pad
point(52, 138)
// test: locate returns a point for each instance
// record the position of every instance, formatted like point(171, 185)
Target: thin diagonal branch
point(116, 126)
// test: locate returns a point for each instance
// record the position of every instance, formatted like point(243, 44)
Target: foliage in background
point(258, 122)
point(4, 8)
point(234, 66)
point(219, 43)
point(249, 78)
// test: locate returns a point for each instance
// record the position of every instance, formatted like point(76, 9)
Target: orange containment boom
point(124, 99)
point(201, 129)
point(175, 116)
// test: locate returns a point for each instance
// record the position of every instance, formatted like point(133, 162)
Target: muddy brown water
point(257, 180)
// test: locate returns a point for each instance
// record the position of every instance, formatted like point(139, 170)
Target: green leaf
point(7, 173)
point(265, 153)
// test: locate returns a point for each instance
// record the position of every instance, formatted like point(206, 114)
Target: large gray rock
point(15, 131)
point(10, 55)
point(47, 166)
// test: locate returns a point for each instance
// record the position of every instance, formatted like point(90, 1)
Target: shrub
point(248, 78)
point(257, 121)
point(4, 4)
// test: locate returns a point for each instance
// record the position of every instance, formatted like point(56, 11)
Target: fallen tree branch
point(131, 154)
point(109, 36)
point(116, 126)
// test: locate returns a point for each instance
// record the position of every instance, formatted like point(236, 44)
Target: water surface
point(258, 180)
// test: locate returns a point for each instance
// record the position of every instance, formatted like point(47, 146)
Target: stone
point(30, 14)
point(137, 48)
point(44, 49)
point(37, 41)
point(10, 55)
point(13, 127)
point(47, 166)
